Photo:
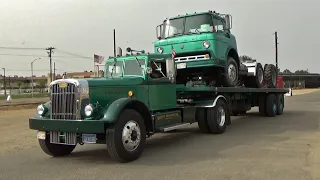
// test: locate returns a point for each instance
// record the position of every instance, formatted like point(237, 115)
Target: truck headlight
point(160, 50)
point(41, 110)
point(88, 110)
point(206, 44)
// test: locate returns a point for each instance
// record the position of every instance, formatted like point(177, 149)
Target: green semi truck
point(146, 93)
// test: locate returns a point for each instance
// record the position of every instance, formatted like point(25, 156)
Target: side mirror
point(171, 70)
point(228, 19)
point(158, 31)
point(119, 51)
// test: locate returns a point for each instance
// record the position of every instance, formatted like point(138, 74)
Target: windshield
point(186, 25)
point(125, 68)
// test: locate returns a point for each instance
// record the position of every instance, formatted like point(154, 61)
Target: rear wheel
point(202, 120)
point(55, 150)
point(270, 76)
point(280, 103)
point(126, 138)
point(271, 105)
point(217, 117)
point(262, 104)
point(257, 80)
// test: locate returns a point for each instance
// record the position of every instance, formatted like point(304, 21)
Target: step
point(173, 127)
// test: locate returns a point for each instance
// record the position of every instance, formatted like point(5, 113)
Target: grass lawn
point(19, 96)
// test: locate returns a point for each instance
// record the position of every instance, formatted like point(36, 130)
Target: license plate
point(41, 135)
point(89, 138)
point(181, 65)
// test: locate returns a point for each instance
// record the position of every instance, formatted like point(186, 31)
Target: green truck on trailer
point(142, 94)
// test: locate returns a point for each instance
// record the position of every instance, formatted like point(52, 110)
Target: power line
point(74, 54)
point(32, 55)
point(22, 48)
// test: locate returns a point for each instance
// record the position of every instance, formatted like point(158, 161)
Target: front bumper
point(80, 126)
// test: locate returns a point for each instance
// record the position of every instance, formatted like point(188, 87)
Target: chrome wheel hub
point(131, 135)
point(232, 72)
point(221, 116)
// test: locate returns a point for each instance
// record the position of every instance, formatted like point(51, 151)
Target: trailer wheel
point(126, 138)
point(231, 73)
point(202, 121)
point(262, 105)
point(271, 105)
point(55, 150)
point(270, 76)
point(280, 104)
point(217, 117)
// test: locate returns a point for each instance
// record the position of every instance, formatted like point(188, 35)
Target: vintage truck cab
point(201, 41)
point(118, 109)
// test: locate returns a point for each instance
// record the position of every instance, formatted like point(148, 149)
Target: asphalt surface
point(285, 147)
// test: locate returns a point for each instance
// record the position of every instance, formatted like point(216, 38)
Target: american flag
point(98, 59)
point(173, 52)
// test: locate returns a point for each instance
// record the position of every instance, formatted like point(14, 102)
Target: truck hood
point(117, 81)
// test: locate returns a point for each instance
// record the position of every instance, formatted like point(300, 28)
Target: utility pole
point(50, 54)
point(114, 43)
point(276, 44)
point(54, 71)
point(9, 86)
point(32, 76)
point(4, 81)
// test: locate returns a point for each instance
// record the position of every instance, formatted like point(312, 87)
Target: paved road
point(282, 148)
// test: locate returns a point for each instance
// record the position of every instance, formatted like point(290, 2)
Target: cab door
point(162, 93)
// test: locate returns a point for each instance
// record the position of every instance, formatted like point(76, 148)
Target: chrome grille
point(63, 138)
point(64, 101)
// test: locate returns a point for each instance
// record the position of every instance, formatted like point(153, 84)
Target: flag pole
point(94, 66)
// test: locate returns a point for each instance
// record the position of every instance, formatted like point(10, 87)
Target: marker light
point(130, 93)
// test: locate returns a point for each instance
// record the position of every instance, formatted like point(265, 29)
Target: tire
point(270, 76)
point(271, 105)
point(262, 105)
point(233, 66)
point(115, 141)
point(280, 103)
point(55, 150)
point(217, 117)
point(202, 120)
point(255, 81)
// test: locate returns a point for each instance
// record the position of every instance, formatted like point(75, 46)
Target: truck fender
point(215, 100)
point(211, 104)
point(112, 113)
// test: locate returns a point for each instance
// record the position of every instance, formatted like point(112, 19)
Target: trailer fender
point(112, 113)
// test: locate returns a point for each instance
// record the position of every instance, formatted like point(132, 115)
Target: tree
point(245, 58)
point(287, 71)
point(301, 72)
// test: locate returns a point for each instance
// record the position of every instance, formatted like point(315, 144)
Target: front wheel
point(126, 138)
point(231, 73)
